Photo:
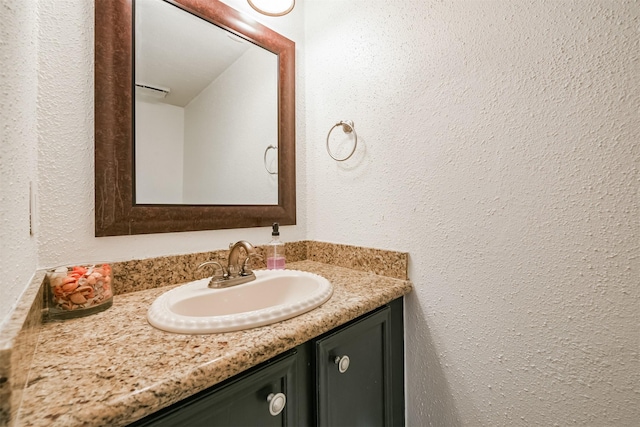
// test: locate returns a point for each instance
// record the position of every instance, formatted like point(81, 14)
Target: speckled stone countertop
point(112, 368)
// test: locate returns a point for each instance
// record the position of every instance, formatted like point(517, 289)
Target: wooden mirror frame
point(116, 212)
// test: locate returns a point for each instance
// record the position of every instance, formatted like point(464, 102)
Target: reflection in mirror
point(117, 211)
point(206, 109)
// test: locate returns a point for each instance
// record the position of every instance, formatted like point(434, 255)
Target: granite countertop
point(112, 368)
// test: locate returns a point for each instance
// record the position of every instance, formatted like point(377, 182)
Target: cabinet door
point(356, 391)
point(243, 401)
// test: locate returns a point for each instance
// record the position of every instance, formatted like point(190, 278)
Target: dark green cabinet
point(260, 397)
point(351, 376)
point(353, 367)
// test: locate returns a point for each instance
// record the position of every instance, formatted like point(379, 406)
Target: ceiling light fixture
point(272, 7)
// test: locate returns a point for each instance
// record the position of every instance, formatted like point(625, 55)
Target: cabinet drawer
point(243, 401)
point(353, 374)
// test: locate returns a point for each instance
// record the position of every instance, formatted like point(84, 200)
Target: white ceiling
point(185, 62)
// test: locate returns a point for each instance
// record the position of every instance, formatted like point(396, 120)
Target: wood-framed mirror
point(116, 209)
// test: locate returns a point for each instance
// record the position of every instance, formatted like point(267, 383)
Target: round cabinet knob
point(343, 363)
point(276, 403)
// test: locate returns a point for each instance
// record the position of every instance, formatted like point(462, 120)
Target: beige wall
point(499, 145)
point(18, 147)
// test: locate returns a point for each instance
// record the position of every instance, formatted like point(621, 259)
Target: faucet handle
point(245, 270)
point(215, 281)
point(224, 270)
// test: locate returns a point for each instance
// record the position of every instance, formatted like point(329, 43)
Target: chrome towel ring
point(270, 147)
point(347, 127)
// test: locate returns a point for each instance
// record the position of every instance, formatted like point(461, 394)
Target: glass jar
point(79, 290)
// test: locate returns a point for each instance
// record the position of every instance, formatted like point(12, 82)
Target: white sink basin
point(275, 295)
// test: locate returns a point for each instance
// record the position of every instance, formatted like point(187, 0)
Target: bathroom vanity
point(351, 376)
point(113, 368)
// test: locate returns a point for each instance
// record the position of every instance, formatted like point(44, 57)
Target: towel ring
point(347, 127)
point(270, 147)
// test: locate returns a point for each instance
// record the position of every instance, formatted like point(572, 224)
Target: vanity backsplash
point(138, 275)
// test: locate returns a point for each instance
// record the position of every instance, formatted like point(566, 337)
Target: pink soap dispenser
point(275, 250)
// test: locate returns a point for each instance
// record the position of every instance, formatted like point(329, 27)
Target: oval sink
point(275, 295)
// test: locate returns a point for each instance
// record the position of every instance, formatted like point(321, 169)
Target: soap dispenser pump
point(275, 250)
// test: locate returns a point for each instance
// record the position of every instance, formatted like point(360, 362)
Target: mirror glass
point(198, 164)
point(206, 112)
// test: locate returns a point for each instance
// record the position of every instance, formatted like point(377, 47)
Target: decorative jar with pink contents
point(79, 290)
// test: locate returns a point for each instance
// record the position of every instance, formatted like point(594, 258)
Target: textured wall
point(18, 147)
point(498, 144)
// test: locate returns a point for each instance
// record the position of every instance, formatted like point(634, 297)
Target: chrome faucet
point(236, 272)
